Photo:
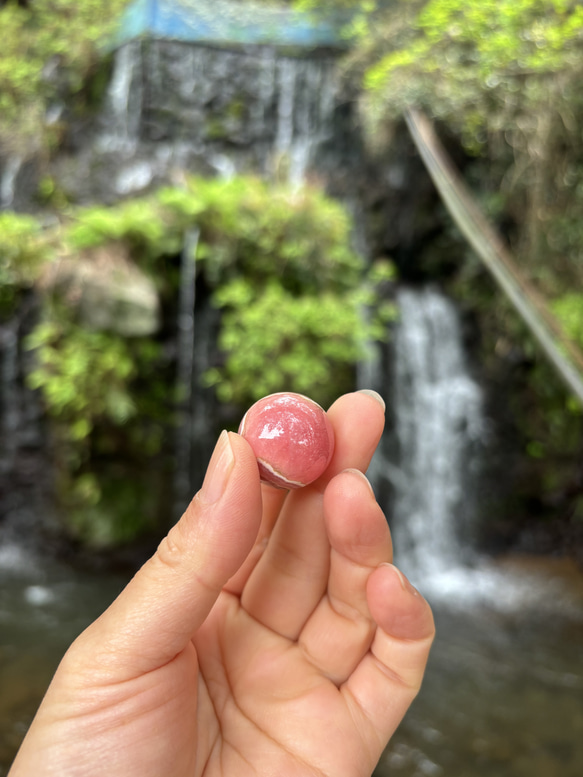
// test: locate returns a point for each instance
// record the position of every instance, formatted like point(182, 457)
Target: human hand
point(268, 635)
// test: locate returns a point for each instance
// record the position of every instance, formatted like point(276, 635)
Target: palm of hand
point(273, 711)
point(291, 658)
point(247, 701)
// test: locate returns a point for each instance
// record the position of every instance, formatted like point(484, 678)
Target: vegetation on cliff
point(49, 51)
point(501, 80)
point(277, 262)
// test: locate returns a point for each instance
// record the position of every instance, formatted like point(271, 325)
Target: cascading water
point(496, 658)
point(124, 99)
point(8, 179)
point(438, 420)
point(302, 121)
point(172, 106)
point(122, 122)
point(439, 436)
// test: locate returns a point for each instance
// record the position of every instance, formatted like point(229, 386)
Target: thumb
point(156, 615)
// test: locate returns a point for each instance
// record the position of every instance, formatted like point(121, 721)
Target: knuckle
point(171, 550)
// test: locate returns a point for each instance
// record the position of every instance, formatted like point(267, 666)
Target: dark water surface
point(503, 695)
point(43, 607)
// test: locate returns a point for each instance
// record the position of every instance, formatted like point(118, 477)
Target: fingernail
point(374, 395)
point(405, 584)
point(362, 476)
point(219, 469)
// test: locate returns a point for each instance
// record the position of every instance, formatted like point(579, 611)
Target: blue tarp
point(227, 22)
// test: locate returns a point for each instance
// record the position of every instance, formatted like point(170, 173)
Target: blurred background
point(202, 203)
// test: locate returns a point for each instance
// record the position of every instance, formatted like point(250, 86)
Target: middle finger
point(291, 575)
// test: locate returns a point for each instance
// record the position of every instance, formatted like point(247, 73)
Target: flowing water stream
point(43, 607)
point(438, 424)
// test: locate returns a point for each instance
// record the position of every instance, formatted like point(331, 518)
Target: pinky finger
point(388, 678)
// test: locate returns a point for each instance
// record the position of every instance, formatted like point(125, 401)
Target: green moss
point(215, 128)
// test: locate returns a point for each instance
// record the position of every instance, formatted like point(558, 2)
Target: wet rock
point(107, 290)
point(176, 106)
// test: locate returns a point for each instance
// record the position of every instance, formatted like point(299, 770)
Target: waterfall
point(124, 98)
point(172, 106)
point(185, 372)
point(306, 93)
point(438, 420)
point(8, 181)
point(439, 433)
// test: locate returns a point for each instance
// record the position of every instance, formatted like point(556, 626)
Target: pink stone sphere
point(291, 437)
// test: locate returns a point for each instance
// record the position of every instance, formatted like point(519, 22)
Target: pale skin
point(269, 635)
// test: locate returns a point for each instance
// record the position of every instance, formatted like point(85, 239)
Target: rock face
point(107, 290)
point(174, 106)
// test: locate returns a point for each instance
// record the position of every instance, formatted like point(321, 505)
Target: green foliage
point(251, 228)
point(569, 311)
point(139, 223)
point(48, 33)
point(275, 340)
point(24, 247)
point(504, 77)
point(298, 311)
point(90, 385)
point(84, 378)
point(479, 66)
point(292, 289)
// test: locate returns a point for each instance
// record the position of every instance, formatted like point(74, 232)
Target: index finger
point(358, 420)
